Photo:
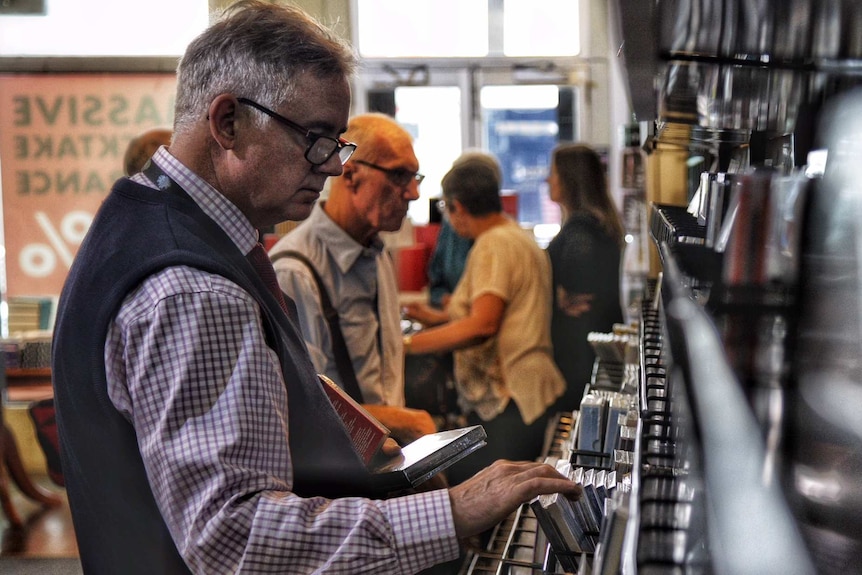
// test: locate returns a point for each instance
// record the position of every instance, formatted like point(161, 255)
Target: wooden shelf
point(27, 372)
point(28, 384)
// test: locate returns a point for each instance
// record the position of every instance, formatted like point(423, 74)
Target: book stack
point(28, 350)
point(36, 351)
point(31, 313)
point(11, 352)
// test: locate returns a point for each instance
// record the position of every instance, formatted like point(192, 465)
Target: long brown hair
point(584, 187)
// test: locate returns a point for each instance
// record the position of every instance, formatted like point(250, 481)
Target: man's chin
point(394, 224)
point(301, 209)
point(299, 212)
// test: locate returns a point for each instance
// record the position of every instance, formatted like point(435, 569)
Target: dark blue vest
point(137, 232)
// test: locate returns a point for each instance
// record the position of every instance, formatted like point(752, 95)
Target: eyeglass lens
point(398, 176)
point(322, 148)
point(404, 177)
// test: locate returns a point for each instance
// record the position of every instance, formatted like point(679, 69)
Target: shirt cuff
point(423, 528)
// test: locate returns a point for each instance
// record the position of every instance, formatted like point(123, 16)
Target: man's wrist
point(408, 343)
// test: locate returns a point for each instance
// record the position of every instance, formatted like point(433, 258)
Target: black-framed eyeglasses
point(320, 148)
point(398, 176)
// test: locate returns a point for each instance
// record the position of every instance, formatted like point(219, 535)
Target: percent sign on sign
point(40, 259)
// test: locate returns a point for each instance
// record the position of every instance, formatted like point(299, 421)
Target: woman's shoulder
point(583, 224)
point(510, 235)
point(577, 226)
point(583, 219)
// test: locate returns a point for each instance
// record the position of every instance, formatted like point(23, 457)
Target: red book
point(367, 433)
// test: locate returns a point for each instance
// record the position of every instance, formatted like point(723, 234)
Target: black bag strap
point(339, 346)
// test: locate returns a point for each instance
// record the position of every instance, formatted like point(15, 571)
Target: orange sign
point(62, 140)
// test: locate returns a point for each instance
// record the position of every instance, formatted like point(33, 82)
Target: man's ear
point(222, 120)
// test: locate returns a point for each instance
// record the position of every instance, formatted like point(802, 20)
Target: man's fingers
point(531, 479)
point(390, 447)
point(492, 494)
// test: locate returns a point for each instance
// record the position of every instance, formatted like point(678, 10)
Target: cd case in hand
point(427, 456)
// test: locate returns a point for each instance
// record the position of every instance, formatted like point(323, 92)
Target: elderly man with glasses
point(195, 435)
point(341, 246)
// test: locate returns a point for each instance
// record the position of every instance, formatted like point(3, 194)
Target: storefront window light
point(467, 28)
point(540, 28)
point(422, 28)
point(104, 28)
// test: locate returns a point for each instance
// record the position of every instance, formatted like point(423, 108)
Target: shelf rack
point(748, 525)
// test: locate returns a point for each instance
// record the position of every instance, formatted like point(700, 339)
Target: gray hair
point(473, 157)
point(256, 50)
point(474, 180)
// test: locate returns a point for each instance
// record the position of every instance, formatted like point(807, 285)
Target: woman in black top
point(585, 259)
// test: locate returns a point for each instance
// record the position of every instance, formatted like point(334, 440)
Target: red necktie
point(260, 260)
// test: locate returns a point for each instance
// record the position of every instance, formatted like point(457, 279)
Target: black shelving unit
point(747, 525)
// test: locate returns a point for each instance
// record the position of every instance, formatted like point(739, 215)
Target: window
point(475, 74)
point(104, 28)
point(467, 28)
point(521, 130)
point(421, 28)
point(541, 28)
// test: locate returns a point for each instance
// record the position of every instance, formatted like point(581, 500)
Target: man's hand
point(390, 448)
point(425, 314)
point(405, 424)
point(494, 493)
point(573, 304)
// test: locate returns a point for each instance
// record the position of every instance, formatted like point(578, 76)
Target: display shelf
point(844, 67)
point(24, 385)
point(701, 499)
point(749, 525)
point(517, 545)
point(673, 224)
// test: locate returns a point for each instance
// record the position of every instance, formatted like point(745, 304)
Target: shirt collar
point(345, 250)
point(211, 201)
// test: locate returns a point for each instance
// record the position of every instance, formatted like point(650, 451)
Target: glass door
point(521, 126)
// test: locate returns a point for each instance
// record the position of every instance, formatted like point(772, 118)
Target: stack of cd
point(573, 526)
point(602, 416)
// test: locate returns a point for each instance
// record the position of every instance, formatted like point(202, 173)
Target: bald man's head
point(379, 181)
point(142, 148)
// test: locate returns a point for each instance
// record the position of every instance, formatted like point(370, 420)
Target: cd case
point(427, 456)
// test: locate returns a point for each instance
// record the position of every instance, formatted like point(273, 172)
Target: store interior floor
point(46, 544)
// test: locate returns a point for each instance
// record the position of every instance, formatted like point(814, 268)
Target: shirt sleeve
point(188, 366)
point(493, 270)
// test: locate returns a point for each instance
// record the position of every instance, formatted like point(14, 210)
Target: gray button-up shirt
point(362, 286)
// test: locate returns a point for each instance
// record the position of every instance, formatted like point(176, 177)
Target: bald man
point(341, 240)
